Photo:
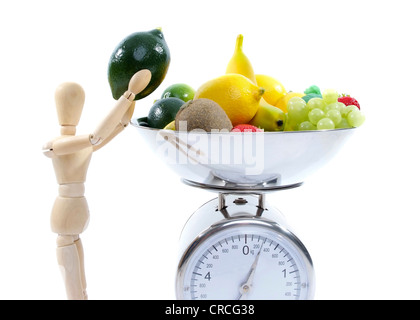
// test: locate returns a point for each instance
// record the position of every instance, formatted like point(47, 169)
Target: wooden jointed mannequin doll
point(71, 154)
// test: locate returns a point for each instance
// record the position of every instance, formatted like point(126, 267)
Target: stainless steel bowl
point(254, 162)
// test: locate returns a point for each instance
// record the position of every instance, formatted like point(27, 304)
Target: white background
point(359, 217)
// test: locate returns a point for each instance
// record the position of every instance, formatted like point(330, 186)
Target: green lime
point(142, 122)
point(163, 112)
point(179, 90)
point(140, 50)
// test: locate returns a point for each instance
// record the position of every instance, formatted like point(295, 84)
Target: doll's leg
point(80, 251)
point(70, 260)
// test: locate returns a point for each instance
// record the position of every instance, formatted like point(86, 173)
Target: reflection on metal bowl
point(254, 161)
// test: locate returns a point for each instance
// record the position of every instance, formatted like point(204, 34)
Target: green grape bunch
point(323, 112)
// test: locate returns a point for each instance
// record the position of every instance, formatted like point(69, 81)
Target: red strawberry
point(245, 128)
point(347, 100)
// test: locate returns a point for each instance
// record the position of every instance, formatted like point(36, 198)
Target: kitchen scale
point(237, 246)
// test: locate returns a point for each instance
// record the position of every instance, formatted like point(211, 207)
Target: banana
point(239, 63)
point(269, 118)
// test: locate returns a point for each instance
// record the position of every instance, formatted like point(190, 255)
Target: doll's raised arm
point(116, 120)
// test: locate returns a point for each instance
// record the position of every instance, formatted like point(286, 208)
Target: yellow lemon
point(170, 126)
point(235, 93)
point(282, 103)
point(274, 90)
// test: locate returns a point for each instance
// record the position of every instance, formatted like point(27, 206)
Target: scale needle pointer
point(246, 287)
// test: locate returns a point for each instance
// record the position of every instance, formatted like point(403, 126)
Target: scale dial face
point(245, 259)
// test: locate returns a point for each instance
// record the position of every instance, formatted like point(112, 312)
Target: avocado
point(139, 50)
point(163, 112)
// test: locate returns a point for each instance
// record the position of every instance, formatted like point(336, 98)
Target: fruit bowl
point(244, 161)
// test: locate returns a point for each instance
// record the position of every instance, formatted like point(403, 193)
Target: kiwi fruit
point(202, 114)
